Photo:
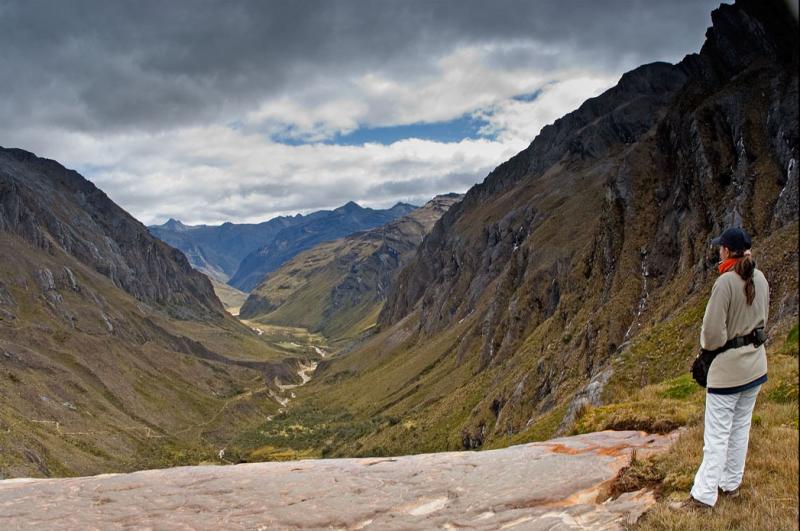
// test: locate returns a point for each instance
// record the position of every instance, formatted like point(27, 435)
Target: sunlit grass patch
point(652, 416)
point(272, 453)
point(680, 388)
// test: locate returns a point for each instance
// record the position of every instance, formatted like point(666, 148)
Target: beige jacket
point(727, 316)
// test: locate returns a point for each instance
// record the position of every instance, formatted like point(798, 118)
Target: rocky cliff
point(338, 287)
point(319, 227)
point(550, 283)
point(636, 180)
point(51, 207)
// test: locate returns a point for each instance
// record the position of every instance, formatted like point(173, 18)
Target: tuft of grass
point(785, 391)
point(639, 474)
point(680, 388)
point(652, 416)
point(657, 408)
point(790, 345)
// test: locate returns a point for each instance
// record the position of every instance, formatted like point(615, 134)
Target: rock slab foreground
point(545, 485)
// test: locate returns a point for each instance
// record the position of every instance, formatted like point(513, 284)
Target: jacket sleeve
point(714, 333)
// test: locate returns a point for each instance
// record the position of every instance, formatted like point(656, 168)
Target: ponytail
point(744, 268)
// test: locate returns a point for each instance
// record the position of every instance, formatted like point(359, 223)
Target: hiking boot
point(690, 505)
point(729, 493)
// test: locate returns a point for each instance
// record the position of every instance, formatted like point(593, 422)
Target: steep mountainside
point(51, 207)
point(579, 269)
point(217, 250)
point(337, 288)
point(320, 227)
point(114, 353)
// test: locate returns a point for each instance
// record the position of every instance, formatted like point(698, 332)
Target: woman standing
point(734, 322)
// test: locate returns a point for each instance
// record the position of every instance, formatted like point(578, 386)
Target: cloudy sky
point(212, 111)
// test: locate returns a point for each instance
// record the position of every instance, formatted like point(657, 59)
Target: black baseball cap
point(734, 238)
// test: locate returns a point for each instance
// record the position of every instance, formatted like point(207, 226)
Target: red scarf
point(727, 265)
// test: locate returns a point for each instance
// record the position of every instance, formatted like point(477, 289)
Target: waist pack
point(702, 363)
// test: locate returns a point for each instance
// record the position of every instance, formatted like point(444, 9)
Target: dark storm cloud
point(145, 65)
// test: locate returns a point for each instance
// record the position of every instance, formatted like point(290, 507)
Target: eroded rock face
point(57, 210)
point(552, 484)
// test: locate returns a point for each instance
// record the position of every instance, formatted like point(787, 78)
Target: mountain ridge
point(99, 234)
point(337, 287)
point(219, 250)
point(319, 227)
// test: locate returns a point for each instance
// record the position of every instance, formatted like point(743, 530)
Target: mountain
point(114, 353)
point(217, 250)
point(338, 288)
point(577, 272)
point(316, 228)
point(56, 209)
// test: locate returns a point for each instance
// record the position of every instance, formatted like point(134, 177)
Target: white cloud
point(180, 120)
point(467, 79)
point(216, 173)
point(517, 122)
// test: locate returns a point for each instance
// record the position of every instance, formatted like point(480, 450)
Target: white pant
point(725, 437)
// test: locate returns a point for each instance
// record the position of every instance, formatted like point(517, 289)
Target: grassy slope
point(301, 289)
point(81, 399)
point(230, 297)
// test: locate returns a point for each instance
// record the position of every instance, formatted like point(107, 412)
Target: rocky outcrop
point(57, 210)
point(335, 286)
point(319, 227)
point(557, 484)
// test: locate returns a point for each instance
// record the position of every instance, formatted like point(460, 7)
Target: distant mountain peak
point(175, 224)
point(350, 206)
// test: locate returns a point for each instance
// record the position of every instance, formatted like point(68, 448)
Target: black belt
point(757, 337)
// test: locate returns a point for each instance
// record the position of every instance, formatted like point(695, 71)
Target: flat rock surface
point(548, 485)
